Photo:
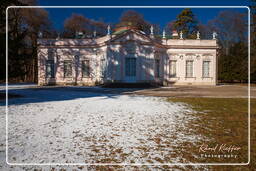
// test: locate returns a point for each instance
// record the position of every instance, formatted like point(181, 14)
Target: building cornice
point(109, 40)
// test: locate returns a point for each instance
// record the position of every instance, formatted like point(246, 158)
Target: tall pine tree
point(187, 23)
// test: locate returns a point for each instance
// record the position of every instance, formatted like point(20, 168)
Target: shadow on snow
point(49, 94)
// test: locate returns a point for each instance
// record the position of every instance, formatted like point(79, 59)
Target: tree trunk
point(33, 70)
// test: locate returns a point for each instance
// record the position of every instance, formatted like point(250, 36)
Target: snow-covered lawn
point(73, 125)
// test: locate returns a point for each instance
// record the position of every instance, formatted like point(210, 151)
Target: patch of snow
point(67, 126)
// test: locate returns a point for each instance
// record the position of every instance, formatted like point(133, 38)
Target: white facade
point(129, 57)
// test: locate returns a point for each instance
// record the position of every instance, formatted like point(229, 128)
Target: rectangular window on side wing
point(67, 69)
point(50, 68)
point(86, 68)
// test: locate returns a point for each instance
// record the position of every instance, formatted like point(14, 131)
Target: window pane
point(172, 68)
point(206, 68)
point(189, 68)
point(103, 67)
point(50, 69)
point(157, 67)
point(127, 67)
point(86, 68)
point(130, 66)
point(67, 69)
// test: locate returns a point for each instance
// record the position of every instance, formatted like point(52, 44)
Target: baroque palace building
point(128, 56)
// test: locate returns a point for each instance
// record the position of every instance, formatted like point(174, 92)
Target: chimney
point(175, 34)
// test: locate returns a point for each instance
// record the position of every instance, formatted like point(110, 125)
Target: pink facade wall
point(114, 50)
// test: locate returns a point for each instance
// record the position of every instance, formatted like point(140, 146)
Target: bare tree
point(35, 20)
point(205, 31)
point(135, 19)
point(231, 28)
point(76, 23)
point(79, 23)
point(100, 27)
point(23, 27)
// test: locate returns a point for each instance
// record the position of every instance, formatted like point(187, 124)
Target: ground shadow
point(57, 93)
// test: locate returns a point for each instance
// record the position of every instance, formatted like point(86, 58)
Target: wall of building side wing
point(197, 56)
point(59, 55)
point(196, 51)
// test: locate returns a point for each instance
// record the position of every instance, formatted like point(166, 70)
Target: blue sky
point(156, 16)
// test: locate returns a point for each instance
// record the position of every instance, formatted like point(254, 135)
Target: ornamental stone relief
point(147, 49)
point(190, 56)
point(198, 56)
point(66, 53)
point(130, 47)
point(185, 56)
point(207, 56)
point(173, 55)
point(157, 55)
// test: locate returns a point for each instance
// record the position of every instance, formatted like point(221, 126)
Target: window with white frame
point(189, 68)
point(157, 68)
point(102, 67)
point(50, 68)
point(206, 69)
point(172, 68)
point(86, 68)
point(67, 68)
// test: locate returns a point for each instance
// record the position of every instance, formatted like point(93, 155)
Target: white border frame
point(129, 164)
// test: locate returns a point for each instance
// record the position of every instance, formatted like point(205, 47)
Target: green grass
point(221, 121)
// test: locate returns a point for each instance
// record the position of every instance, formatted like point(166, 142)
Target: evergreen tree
point(187, 23)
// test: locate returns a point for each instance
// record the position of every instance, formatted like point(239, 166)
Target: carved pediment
point(131, 36)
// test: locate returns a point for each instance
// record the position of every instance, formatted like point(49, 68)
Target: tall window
point(50, 68)
point(206, 68)
point(67, 69)
point(172, 68)
point(157, 68)
point(189, 68)
point(102, 67)
point(130, 67)
point(86, 68)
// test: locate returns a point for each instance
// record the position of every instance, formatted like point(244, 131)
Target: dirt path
point(226, 91)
